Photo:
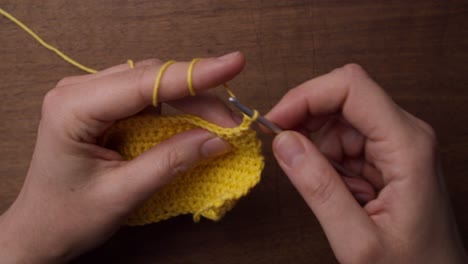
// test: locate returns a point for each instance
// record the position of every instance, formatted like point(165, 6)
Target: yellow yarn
point(189, 77)
point(131, 64)
point(209, 189)
point(45, 44)
point(157, 82)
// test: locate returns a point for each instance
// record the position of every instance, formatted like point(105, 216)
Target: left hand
point(77, 193)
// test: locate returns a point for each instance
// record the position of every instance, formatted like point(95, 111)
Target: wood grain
point(417, 50)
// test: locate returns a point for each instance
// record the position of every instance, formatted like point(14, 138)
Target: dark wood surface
point(417, 50)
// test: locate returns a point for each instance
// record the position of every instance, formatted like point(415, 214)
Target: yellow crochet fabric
point(209, 189)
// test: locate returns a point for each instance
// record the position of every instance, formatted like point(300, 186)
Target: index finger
point(101, 101)
point(348, 91)
point(121, 95)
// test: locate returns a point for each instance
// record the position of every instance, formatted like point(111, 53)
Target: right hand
point(406, 216)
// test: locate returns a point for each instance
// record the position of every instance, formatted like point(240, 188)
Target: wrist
point(11, 249)
point(20, 242)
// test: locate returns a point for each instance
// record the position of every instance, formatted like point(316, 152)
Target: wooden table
point(417, 50)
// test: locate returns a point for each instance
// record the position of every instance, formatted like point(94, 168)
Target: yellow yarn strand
point(45, 44)
point(189, 77)
point(228, 90)
point(131, 64)
point(157, 82)
point(254, 117)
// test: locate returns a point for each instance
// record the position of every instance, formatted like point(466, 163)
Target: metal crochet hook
point(276, 129)
point(249, 112)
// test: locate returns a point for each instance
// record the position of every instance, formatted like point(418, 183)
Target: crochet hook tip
point(260, 119)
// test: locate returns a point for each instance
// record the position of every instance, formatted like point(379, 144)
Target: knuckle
point(321, 185)
point(63, 82)
point(297, 92)
point(139, 75)
point(370, 251)
point(428, 129)
point(51, 100)
point(426, 139)
point(430, 142)
point(354, 68)
point(67, 80)
point(149, 62)
point(55, 113)
point(140, 78)
point(352, 71)
point(174, 163)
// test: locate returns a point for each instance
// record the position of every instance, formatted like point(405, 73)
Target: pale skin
point(77, 193)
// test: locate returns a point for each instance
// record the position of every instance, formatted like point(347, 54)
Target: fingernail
point(289, 149)
point(215, 147)
point(228, 56)
point(362, 198)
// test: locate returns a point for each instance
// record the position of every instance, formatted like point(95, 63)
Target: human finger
point(346, 145)
point(362, 190)
point(116, 96)
point(72, 80)
point(207, 106)
point(348, 91)
point(330, 143)
point(323, 190)
point(340, 141)
point(114, 69)
point(139, 178)
point(352, 141)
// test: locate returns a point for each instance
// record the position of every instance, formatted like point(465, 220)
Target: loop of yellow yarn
point(189, 76)
point(254, 117)
point(157, 82)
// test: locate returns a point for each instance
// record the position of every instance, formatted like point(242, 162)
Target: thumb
point(143, 176)
point(339, 214)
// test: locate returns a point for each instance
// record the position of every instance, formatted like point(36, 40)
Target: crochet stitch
point(209, 189)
